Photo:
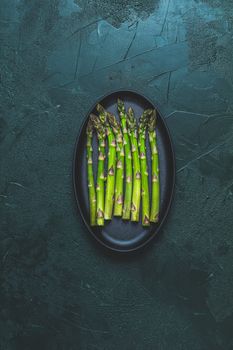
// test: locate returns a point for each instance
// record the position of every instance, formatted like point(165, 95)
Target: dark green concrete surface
point(58, 289)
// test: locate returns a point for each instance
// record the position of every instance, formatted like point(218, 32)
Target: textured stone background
point(58, 289)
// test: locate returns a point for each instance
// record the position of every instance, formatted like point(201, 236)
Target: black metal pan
point(119, 235)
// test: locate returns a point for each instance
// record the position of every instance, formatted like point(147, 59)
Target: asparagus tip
point(120, 105)
point(89, 129)
point(114, 123)
point(130, 111)
point(111, 118)
point(143, 120)
point(97, 125)
point(102, 114)
point(131, 121)
point(152, 120)
point(100, 108)
point(93, 118)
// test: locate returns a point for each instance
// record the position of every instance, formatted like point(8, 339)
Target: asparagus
point(136, 196)
point(128, 162)
point(110, 184)
point(90, 175)
point(100, 172)
point(118, 201)
point(143, 123)
point(154, 213)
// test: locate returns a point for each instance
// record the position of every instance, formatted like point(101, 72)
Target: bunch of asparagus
point(126, 185)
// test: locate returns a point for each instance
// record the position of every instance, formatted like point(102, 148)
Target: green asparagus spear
point(154, 213)
point(90, 175)
point(136, 196)
point(110, 184)
point(100, 172)
point(143, 123)
point(118, 201)
point(128, 162)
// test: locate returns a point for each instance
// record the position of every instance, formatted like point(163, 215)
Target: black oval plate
point(119, 235)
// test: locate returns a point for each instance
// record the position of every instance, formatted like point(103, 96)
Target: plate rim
point(154, 233)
